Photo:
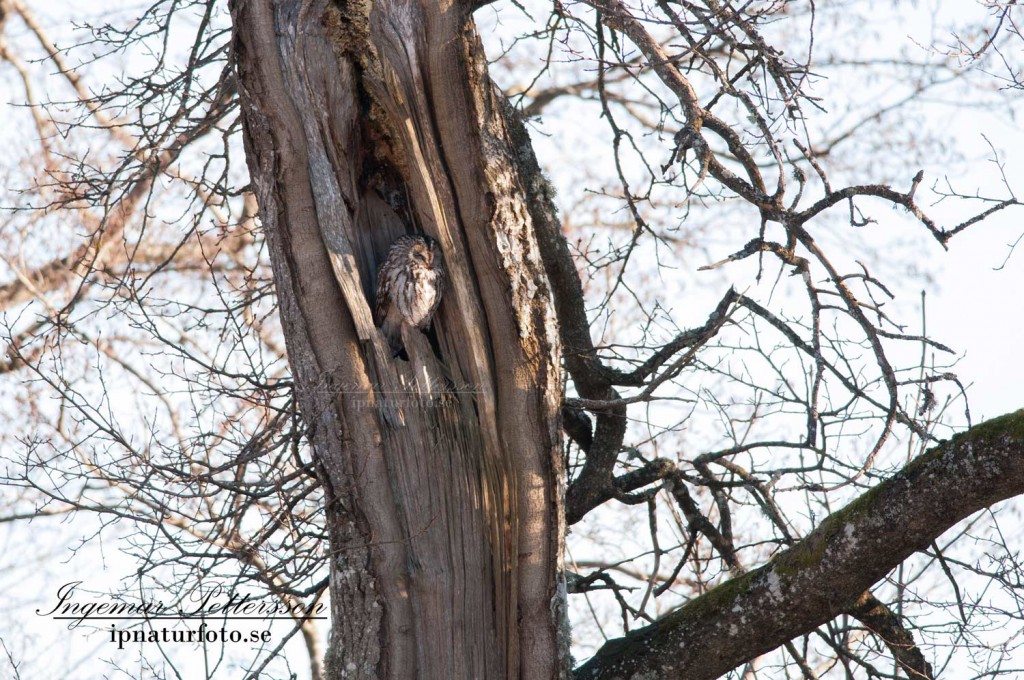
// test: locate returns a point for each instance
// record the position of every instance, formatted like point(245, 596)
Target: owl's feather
point(410, 283)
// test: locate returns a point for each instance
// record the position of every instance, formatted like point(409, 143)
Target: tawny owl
point(409, 286)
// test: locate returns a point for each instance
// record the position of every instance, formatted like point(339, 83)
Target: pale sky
point(975, 309)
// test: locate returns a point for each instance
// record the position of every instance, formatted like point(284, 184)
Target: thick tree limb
point(590, 376)
point(826, 573)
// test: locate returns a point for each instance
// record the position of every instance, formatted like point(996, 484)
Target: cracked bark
point(363, 122)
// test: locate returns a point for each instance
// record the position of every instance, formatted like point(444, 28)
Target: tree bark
point(827, 573)
point(363, 122)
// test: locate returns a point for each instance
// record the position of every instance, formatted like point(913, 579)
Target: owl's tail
point(392, 330)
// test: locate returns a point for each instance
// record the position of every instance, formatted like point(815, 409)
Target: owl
point(409, 286)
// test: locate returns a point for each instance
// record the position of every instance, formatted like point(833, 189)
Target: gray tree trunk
point(363, 122)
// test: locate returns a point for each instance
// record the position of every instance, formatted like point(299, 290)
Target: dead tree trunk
point(363, 122)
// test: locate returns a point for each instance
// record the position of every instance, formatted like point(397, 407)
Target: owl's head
point(424, 253)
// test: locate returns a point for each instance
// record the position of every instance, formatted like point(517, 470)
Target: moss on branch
point(828, 571)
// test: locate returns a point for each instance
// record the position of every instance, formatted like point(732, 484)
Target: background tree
point(204, 376)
